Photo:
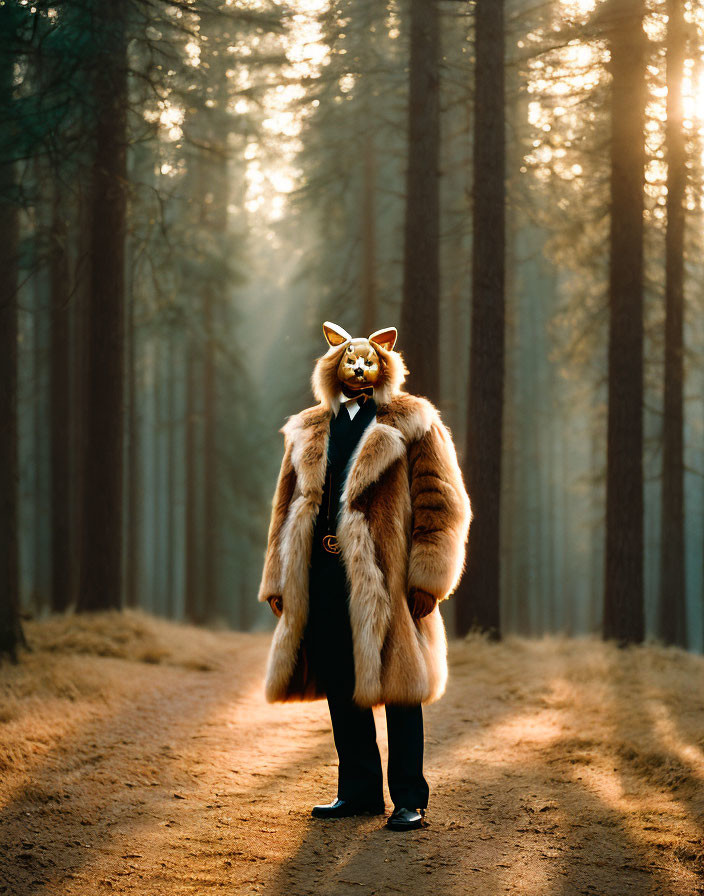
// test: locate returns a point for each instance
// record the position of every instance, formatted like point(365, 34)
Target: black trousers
point(328, 640)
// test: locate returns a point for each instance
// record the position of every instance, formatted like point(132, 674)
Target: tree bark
point(170, 461)
point(11, 636)
point(101, 574)
point(369, 290)
point(672, 609)
point(134, 528)
point(62, 565)
point(10, 629)
point(159, 496)
point(623, 596)
point(478, 605)
point(420, 324)
point(193, 597)
point(39, 365)
point(210, 499)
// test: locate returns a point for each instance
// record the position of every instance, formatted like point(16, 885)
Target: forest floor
point(139, 756)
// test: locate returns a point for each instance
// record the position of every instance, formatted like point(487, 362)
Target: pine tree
point(672, 609)
point(101, 554)
point(623, 595)
point(420, 314)
point(479, 603)
point(11, 637)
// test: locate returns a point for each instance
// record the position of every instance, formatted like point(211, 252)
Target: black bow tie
point(361, 400)
point(343, 421)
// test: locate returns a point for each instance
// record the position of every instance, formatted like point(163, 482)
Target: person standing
point(369, 525)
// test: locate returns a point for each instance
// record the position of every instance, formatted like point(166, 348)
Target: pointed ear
point(334, 334)
point(386, 338)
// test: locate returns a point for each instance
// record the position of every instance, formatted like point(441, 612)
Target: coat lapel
point(309, 432)
point(380, 446)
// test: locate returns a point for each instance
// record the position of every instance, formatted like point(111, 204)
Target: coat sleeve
point(441, 513)
point(272, 575)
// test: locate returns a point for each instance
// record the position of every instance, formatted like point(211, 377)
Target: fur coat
point(403, 522)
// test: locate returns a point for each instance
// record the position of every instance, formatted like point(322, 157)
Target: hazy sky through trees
point(265, 188)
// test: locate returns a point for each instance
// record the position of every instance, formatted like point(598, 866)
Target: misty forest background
point(188, 188)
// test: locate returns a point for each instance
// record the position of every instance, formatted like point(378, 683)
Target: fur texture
point(403, 522)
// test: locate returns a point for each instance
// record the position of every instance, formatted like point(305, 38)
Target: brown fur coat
point(403, 523)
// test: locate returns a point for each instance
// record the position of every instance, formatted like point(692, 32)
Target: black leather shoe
point(344, 808)
point(403, 819)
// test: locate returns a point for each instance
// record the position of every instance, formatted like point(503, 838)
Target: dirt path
point(555, 767)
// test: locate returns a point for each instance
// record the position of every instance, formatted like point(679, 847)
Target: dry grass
point(128, 635)
point(60, 683)
point(556, 767)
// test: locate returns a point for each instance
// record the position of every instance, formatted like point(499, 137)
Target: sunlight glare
point(171, 119)
point(578, 8)
point(193, 53)
point(285, 108)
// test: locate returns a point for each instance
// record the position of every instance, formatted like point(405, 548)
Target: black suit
point(328, 641)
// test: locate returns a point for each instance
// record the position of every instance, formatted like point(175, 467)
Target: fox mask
point(360, 366)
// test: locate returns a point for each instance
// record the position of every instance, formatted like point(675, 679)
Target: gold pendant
point(331, 544)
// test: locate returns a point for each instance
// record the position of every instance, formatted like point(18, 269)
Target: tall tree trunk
point(10, 629)
point(369, 296)
point(536, 579)
point(101, 574)
point(478, 605)
point(210, 526)
point(211, 182)
point(595, 618)
point(672, 609)
point(157, 460)
point(193, 607)
point(623, 596)
point(420, 316)
point(41, 432)
point(80, 237)
point(60, 408)
point(133, 546)
point(170, 461)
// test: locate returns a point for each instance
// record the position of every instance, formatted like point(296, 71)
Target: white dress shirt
point(352, 405)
